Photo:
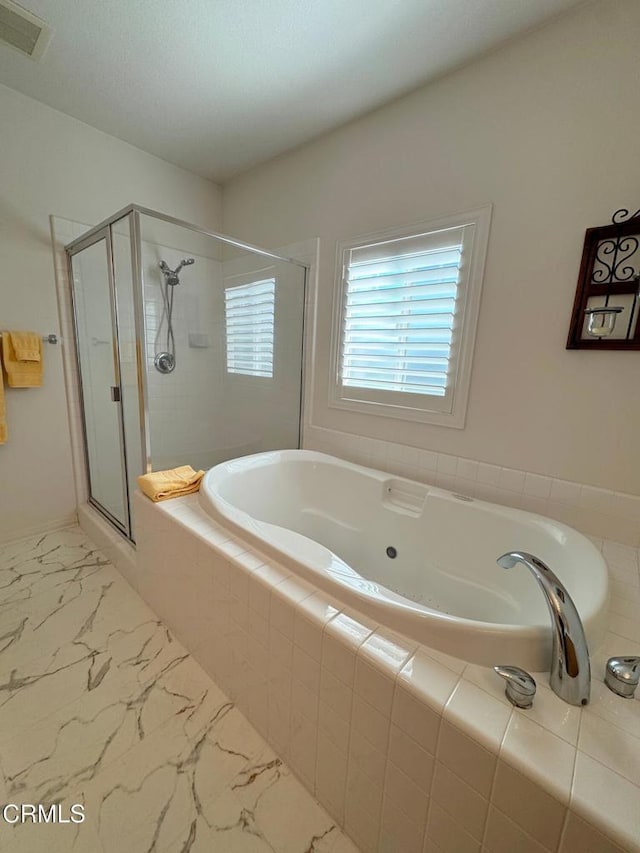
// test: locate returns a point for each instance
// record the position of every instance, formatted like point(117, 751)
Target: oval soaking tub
point(416, 558)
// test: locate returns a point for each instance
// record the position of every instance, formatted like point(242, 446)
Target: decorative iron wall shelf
point(607, 303)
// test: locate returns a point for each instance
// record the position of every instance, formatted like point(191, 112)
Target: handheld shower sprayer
point(165, 361)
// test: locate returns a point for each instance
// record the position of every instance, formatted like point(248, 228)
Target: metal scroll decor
point(607, 303)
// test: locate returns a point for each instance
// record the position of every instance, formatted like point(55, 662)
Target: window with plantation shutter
point(249, 324)
point(406, 312)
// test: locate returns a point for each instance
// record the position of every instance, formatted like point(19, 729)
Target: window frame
point(448, 410)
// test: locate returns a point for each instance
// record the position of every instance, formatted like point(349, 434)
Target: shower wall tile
point(598, 512)
point(183, 414)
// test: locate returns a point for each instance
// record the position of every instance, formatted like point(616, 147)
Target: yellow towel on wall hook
point(25, 371)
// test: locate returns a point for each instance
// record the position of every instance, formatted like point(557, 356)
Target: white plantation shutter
point(399, 307)
point(249, 323)
point(403, 320)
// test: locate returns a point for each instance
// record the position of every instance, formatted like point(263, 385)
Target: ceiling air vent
point(23, 30)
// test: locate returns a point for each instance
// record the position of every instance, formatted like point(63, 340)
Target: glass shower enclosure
point(189, 351)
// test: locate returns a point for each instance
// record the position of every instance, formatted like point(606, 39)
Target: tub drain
point(392, 552)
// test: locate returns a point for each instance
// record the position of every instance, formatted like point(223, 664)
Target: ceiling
point(217, 86)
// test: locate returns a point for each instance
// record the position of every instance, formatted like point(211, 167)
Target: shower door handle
point(115, 393)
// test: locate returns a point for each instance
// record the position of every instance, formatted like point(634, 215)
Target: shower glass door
point(97, 341)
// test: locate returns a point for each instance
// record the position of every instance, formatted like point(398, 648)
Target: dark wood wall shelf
point(609, 276)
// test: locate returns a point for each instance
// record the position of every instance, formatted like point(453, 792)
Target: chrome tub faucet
point(570, 671)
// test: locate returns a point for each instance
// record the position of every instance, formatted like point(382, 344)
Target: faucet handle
point(520, 688)
point(622, 675)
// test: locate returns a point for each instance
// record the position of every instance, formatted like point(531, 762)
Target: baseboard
point(48, 527)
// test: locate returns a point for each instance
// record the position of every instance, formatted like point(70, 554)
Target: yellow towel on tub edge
point(162, 485)
point(21, 374)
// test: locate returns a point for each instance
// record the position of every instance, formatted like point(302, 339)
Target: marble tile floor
point(101, 706)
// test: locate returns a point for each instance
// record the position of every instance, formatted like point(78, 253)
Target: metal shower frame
point(104, 231)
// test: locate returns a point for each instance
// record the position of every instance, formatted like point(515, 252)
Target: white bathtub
point(339, 526)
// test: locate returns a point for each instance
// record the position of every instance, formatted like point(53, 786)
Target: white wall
point(53, 164)
point(547, 129)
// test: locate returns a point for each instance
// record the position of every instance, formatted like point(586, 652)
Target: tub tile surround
point(597, 512)
point(407, 748)
point(101, 705)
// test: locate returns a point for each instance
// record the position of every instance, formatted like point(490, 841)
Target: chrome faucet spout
point(570, 671)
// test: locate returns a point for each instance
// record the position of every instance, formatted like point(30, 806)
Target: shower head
point(170, 275)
